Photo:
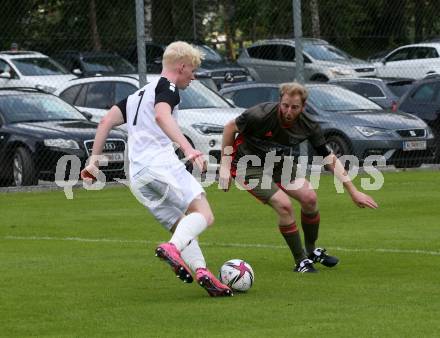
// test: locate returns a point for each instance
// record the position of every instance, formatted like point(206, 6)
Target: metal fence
point(346, 43)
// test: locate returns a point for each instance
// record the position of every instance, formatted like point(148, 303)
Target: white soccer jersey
point(148, 145)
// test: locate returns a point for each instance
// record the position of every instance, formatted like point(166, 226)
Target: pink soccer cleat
point(170, 254)
point(212, 285)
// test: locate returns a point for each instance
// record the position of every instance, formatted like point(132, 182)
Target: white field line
point(235, 245)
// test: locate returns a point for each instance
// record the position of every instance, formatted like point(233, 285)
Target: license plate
point(414, 145)
point(114, 157)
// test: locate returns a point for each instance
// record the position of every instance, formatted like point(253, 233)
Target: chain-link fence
point(379, 59)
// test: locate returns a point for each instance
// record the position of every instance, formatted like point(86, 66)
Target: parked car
point(423, 100)
point(202, 112)
point(153, 54)
point(97, 94)
point(354, 125)
point(384, 91)
point(214, 68)
point(94, 63)
point(221, 72)
point(250, 94)
point(274, 61)
point(31, 69)
point(411, 61)
point(37, 129)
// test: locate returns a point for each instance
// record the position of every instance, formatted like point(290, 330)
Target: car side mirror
point(77, 71)
point(5, 75)
point(87, 115)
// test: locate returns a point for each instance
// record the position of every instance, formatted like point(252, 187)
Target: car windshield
point(210, 54)
point(325, 52)
point(35, 108)
point(108, 64)
point(197, 96)
point(41, 66)
point(333, 98)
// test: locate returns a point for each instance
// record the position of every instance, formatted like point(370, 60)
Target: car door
point(4, 136)
point(264, 63)
point(123, 90)
point(8, 76)
point(423, 101)
point(395, 64)
point(96, 98)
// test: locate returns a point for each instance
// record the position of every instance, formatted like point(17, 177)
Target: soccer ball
point(237, 274)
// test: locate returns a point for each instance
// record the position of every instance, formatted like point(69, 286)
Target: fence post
point(140, 35)
point(299, 60)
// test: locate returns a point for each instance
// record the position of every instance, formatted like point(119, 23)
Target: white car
point(414, 61)
point(31, 69)
point(202, 112)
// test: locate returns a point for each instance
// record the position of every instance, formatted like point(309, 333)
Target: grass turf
point(85, 267)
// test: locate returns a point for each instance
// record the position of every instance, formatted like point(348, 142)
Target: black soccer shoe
point(319, 256)
point(306, 265)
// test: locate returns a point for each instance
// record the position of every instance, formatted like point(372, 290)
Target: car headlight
point(371, 131)
point(341, 71)
point(47, 89)
point(429, 133)
point(61, 143)
point(208, 128)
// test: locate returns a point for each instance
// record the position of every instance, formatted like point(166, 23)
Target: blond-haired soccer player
point(157, 178)
point(278, 127)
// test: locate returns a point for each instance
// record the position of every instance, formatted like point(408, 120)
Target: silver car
point(274, 61)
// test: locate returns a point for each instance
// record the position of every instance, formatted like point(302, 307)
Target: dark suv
point(37, 129)
point(423, 100)
point(215, 67)
point(213, 70)
point(94, 63)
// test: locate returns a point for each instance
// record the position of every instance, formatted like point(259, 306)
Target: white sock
point(193, 256)
point(188, 228)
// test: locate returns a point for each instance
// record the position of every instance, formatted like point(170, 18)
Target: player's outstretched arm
point(111, 119)
point(229, 132)
point(170, 127)
point(359, 198)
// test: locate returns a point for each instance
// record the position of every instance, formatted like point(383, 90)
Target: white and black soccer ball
point(237, 274)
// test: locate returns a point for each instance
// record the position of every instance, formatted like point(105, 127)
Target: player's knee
point(209, 217)
point(284, 208)
point(309, 200)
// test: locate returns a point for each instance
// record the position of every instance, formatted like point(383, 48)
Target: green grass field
point(86, 267)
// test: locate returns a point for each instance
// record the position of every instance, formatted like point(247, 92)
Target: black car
point(213, 70)
point(384, 91)
point(423, 100)
point(153, 55)
point(215, 67)
point(94, 63)
point(37, 129)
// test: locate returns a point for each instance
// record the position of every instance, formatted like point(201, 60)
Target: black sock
point(293, 239)
point(310, 225)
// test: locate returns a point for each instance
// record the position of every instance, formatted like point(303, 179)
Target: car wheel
point(23, 168)
point(319, 78)
point(338, 145)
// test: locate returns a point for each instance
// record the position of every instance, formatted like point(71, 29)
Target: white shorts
point(166, 193)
